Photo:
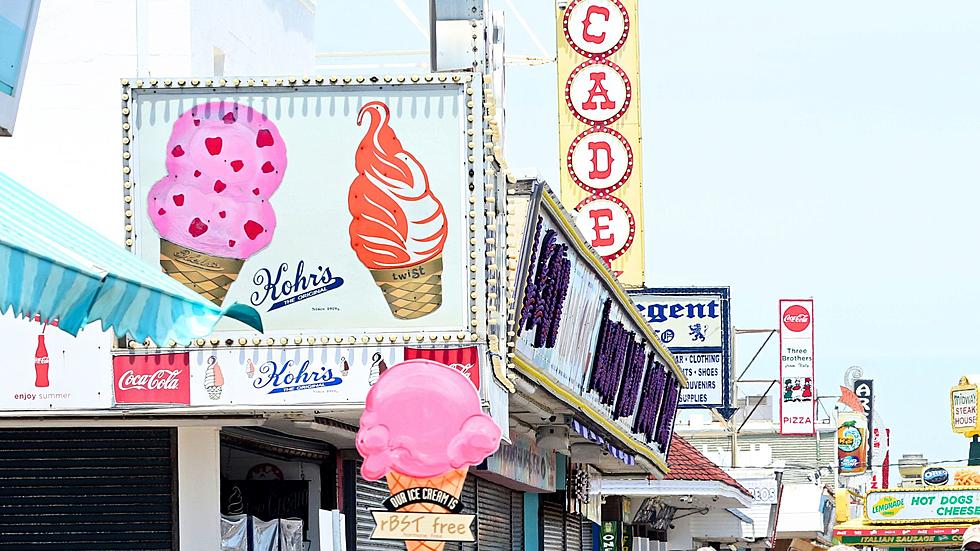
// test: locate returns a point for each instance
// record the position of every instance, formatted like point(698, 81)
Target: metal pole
point(974, 451)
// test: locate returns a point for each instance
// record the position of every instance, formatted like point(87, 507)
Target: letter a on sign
point(598, 90)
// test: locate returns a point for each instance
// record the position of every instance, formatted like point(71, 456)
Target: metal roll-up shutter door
point(87, 489)
point(370, 495)
point(552, 526)
point(493, 503)
point(573, 532)
point(517, 521)
point(587, 534)
point(468, 497)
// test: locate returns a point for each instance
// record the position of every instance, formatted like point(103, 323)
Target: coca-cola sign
point(154, 379)
point(797, 407)
point(796, 318)
point(163, 379)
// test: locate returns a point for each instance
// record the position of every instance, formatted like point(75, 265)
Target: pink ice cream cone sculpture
point(224, 161)
point(423, 427)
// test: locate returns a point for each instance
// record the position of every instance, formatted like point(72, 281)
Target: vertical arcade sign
point(864, 389)
point(797, 406)
point(599, 129)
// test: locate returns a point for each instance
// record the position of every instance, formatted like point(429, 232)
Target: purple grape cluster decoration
point(547, 286)
point(636, 360)
point(530, 291)
point(667, 417)
point(651, 398)
point(612, 350)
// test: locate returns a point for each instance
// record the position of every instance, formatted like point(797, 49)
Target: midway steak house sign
point(963, 408)
point(797, 406)
point(153, 379)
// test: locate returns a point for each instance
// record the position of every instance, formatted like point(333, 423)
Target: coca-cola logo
point(152, 379)
point(796, 318)
point(163, 379)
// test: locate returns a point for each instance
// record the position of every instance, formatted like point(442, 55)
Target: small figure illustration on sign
point(697, 331)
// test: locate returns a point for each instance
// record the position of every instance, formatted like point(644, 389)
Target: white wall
point(258, 37)
point(199, 487)
point(68, 142)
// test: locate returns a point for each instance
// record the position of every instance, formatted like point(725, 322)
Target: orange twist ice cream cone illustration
point(399, 227)
point(423, 427)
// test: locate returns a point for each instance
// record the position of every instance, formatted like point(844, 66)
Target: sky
point(791, 150)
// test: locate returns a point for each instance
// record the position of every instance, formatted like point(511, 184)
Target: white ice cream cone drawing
point(214, 380)
point(399, 227)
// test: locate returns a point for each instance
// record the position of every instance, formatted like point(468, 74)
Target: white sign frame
point(797, 404)
point(453, 173)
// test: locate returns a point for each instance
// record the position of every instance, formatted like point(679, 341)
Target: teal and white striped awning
point(54, 266)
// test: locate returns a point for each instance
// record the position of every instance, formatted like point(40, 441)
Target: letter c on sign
point(587, 22)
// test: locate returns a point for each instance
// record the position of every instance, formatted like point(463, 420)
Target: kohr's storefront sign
point(926, 505)
point(695, 324)
point(318, 375)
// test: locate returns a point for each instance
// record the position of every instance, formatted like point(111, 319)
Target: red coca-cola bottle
point(41, 363)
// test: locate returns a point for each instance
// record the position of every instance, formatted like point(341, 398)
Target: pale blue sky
point(790, 150)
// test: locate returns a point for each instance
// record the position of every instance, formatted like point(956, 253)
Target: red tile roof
point(687, 463)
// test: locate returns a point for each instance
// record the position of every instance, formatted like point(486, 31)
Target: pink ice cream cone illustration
point(214, 380)
point(423, 427)
point(212, 211)
point(399, 227)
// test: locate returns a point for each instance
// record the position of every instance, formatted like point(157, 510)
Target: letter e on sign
point(607, 225)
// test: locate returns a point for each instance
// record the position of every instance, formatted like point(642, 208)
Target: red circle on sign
point(631, 224)
point(601, 192)
point(608, 51)
point(606, 64)
point(796, 318)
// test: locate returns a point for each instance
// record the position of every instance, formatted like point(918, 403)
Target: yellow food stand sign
point(963, 407)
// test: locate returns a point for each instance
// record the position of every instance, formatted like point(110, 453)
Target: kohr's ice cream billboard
point(336, 208)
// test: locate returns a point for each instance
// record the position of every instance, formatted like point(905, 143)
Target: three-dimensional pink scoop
point(422, 419)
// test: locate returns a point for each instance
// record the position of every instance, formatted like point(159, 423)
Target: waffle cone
point(450, 482)
point(207, 275)
point(414, 291)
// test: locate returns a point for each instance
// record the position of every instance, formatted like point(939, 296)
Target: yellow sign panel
point(599, 129)
point(422, 526)
point(963, 408)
